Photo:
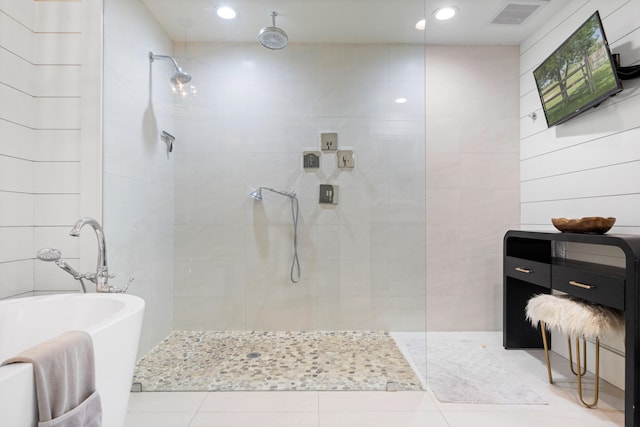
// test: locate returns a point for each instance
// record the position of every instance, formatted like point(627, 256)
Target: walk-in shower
point(179, 77)
point(295, 263)
point(210, 258)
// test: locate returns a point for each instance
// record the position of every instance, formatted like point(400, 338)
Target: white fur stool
point(575, 317)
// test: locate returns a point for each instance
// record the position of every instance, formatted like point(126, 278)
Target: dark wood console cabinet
point(530, 267)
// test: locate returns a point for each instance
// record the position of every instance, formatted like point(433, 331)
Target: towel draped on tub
point(64, 371)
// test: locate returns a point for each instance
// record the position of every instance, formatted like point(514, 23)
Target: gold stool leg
point(597, 373)
point(584, 359)
point(546, 351)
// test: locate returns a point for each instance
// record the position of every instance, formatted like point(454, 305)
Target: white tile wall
point(254, 115)
point(138, 177)
point(472, 181)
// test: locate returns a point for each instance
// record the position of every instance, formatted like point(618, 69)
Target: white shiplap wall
point(590, 165)
point(40, 145)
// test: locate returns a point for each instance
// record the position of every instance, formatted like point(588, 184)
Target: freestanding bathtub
point(113, 321)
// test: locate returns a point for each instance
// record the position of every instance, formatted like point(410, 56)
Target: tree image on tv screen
point(579, 71)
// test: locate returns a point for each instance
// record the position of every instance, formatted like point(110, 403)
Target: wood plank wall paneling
point(587, 166)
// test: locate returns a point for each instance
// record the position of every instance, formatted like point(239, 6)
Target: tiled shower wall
point(138, 175)
point(41, 82)
point(472, 182)
point(255, 113)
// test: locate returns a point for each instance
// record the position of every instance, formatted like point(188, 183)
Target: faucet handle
point(89, 276)
point(131, 279)
point(123, 290)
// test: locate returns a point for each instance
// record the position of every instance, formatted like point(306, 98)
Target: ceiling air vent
point(513, 13)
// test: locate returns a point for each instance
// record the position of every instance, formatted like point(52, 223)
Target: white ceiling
point(348, 21)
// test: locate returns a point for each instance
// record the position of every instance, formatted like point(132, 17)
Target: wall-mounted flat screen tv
point(578, 75)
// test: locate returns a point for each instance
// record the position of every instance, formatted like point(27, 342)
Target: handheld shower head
point(179, 77)
point(49, 254)
point(273, 37)
point(257, 194)
point(54, 255)
point(295, 263)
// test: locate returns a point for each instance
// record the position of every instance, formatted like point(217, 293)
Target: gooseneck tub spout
point(101, 276)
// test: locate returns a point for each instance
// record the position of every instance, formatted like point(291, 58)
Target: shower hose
point(295, 263)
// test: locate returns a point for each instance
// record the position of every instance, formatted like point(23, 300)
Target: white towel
point(64, 371)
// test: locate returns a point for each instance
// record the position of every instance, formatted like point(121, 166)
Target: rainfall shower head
point(49, 254)
point(179, 77)
point(273, 37)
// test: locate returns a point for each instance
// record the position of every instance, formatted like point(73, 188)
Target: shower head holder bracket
point(168, 139)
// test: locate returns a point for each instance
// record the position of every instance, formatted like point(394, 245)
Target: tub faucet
point(101, 276)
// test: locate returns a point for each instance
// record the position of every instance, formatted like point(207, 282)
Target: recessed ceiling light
point(445, 13)
point(421, 24)
point(225, 12)
point(401, 100)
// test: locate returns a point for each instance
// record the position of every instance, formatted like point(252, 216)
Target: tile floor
point(372, 409)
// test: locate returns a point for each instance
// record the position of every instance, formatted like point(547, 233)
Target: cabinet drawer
point(600, 288)
point(538, 273)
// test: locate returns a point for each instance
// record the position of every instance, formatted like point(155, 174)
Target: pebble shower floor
point(248, 361)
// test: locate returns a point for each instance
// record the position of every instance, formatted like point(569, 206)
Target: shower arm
point(153, 57)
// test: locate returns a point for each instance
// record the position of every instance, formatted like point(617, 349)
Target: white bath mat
point(470, 371)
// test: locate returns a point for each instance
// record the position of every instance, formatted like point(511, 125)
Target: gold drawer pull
point(580, 285)
point(523, 270)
